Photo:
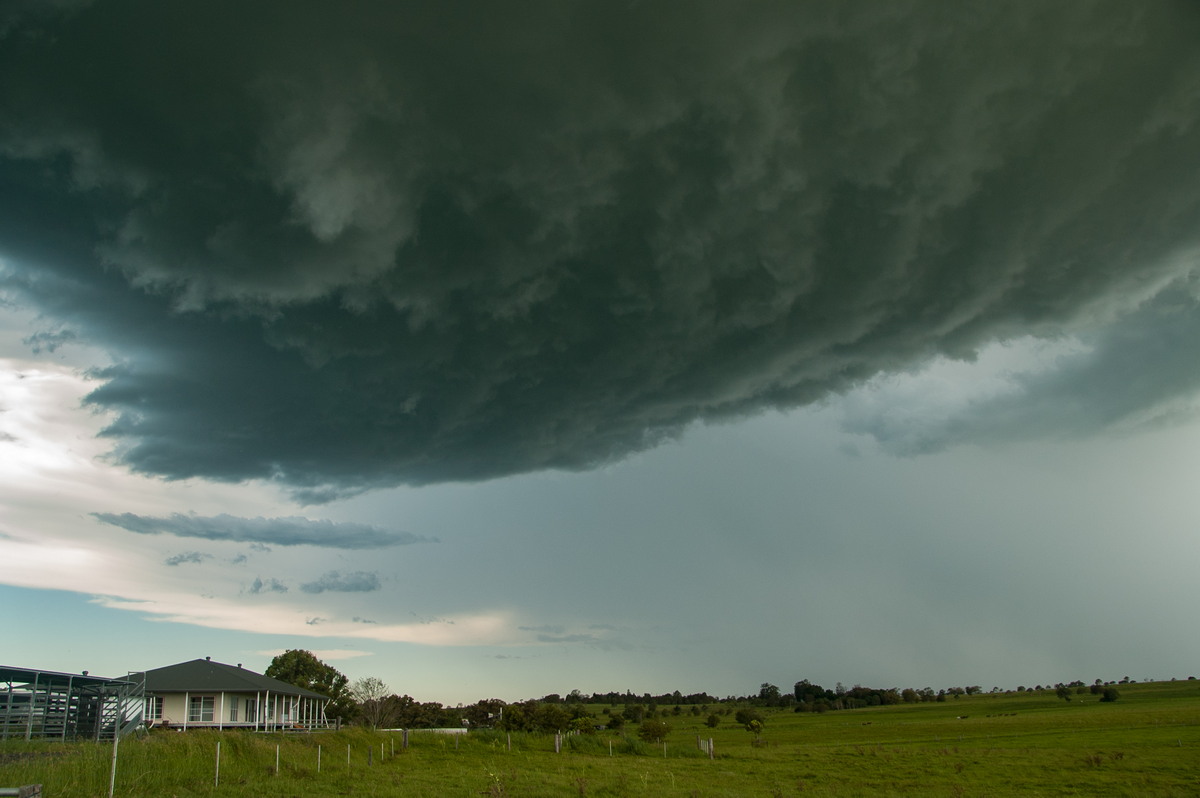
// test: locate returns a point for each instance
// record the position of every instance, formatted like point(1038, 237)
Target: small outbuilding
point(41, 704)
point(212, 695)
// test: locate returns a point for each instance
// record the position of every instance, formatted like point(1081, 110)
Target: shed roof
point(204, 675)
point(45, 678)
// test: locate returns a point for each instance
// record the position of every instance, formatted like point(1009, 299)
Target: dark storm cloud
point(345, 249)
point(1137, 372)
point(49, 341)
point(291, 531)
point(356, 582)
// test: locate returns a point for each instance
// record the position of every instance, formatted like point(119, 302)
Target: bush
point(1110, 694)
point(654, 731)
point(747, 717)
point(713, 721)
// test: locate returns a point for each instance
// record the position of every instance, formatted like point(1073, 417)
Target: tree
point(550, 717)
point(514, 719)
point(483, 714)
point(584, 724)
point(748, 716)
point(1063, 692)
point(1110, 694)
point(768, 694)
point(302, 669)
point(654, 731)
point(713, 721)
point(370, 693)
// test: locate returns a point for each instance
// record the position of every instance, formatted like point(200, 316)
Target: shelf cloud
point(459, 241)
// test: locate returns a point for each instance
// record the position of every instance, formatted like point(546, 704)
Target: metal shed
point(38, 704)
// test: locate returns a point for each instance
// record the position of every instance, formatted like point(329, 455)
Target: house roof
point(204, 675)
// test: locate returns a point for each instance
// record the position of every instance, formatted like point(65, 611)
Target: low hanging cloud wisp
point(291, 531)
point(461, 242)
point(337, 582)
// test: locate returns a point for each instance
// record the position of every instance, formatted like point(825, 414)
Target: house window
point(251, 710)
point(154, 704)
point(233, 710)
point(200, 709)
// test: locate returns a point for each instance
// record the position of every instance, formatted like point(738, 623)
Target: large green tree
point(303, 669)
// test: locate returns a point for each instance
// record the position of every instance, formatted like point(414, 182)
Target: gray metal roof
point(54, 678)
point(206, 676)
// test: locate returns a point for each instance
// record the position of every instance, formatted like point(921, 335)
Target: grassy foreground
point(1145, 744)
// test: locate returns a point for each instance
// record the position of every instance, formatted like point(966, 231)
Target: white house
point(206, 694)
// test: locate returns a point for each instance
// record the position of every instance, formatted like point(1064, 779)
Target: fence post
point(217, 772)
point(112, 774)
point(711, 754)
point(276, 759)
point(318, 759)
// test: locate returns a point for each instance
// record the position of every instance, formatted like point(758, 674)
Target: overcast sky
point(504, 349)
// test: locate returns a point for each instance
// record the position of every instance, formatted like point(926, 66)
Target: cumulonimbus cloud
point(290, 531)
point(456, 246)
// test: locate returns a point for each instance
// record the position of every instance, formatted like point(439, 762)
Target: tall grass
point(1146, 744)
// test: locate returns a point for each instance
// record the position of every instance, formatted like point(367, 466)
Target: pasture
point(1000, 744)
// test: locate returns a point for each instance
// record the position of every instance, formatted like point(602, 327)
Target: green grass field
point(1145, 744)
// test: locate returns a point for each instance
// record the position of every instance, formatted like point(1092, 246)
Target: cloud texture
point(356, 582)
point(293, 531)
point(424, 242)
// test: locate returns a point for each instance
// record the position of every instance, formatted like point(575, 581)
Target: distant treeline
point(368, 701)
point(554, 712)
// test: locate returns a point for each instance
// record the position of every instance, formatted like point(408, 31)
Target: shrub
point(1110, 694)
point(654, 731)
point(747, 716)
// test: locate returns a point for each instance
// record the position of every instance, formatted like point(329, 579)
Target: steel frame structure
point(37, 704)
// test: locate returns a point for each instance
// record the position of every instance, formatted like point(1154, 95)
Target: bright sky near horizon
point(501, 351)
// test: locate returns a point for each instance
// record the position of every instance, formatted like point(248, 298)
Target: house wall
point(275, 709)
point(175, 708)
